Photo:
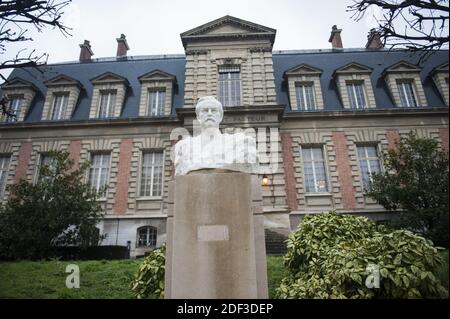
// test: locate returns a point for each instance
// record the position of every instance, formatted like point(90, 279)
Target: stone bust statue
point(212, 149)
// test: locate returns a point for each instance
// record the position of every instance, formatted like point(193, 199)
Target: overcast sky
point(154, 27)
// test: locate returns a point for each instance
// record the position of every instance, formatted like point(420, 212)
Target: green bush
point(331, 256)
point(149, 280)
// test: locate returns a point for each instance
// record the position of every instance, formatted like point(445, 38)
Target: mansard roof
point(328, 61)
point(228, 27)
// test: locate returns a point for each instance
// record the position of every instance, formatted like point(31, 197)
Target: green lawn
point(103, 279)
point(98, 279)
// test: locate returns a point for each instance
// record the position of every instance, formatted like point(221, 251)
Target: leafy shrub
point(331, 256)
point(149, 280)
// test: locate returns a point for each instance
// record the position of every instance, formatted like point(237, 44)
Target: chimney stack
point(374, 40)
point(335, 38)
point(86, 51)
point(122, 46)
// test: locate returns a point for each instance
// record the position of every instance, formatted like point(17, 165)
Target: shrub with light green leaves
point(334, 255)
point(149, 280)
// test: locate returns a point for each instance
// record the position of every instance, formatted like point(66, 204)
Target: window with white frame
point(15, 103)
point(156, 102)
point(4, 170)
point(151, 174)
point(146, 236)
point(60, 102)
point(356, 95)
point(406, 91)
point(368, 163)
point(99, 171)
point(44, 160)
point(305, 96)
point(107, 104)
point(314, 170)
point(229, 85)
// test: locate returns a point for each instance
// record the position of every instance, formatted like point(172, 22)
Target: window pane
point(355, 92)
point(368, 163)
point(4, 170)
point(14, 108)
point(151, 174)
point(406, 91)
point(107, 104)
point(156, 103)
point(229, 85)
point(305, 97)
point(60, 106)
point(99, 171)
point(314, 170)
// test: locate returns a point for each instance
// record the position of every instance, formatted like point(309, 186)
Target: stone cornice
point(90, 123)
point(441, 111)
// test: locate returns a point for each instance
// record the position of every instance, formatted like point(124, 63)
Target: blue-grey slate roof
point(378, 60)
point(326, 60)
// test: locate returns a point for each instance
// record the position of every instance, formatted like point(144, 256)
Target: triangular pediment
point(62, 80)
point(157, 75)
point(16, 83)
point(403, 66)
point(354, 67)
point(227, 26)
point(442, 68)
point(109, 77)
point(303, 69)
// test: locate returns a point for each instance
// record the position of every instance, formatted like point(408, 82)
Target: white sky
point(154, 27)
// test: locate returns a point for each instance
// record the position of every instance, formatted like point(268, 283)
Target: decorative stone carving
point(212, 149)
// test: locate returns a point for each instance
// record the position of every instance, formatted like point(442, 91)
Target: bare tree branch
point(417, 25)
point(14, 15)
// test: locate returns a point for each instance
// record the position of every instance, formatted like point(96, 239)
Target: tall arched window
point(146, 236)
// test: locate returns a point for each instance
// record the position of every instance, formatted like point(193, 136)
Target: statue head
point(209, 112)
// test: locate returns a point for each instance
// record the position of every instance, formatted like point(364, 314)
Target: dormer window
point(20, 94)
point(108, 95)
point(229, 85)
point(60, 102)
point(405, 85)
point(107, 104)
point(156, 102)
point(355, 86)
point(305, 92)
point(356, 95)
point(156, 93)
point(440, 78)
point(406, 91)
point(61, 99)
point(306, 100)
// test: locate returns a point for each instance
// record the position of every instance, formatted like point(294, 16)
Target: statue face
point(209, 115)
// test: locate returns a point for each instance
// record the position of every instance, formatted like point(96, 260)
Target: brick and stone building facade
point(328, 115)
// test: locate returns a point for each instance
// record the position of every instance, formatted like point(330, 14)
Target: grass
point(46, 279)
point(98, 279)
point(105, 279)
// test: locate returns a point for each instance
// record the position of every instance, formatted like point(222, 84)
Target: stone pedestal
point(215, 237)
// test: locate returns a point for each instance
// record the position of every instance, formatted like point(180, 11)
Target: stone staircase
point(275, 242)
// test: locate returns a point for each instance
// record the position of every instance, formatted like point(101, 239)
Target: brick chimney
point(374, 40)
point(122, 46)
point(335, 38)
point(86, 51)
